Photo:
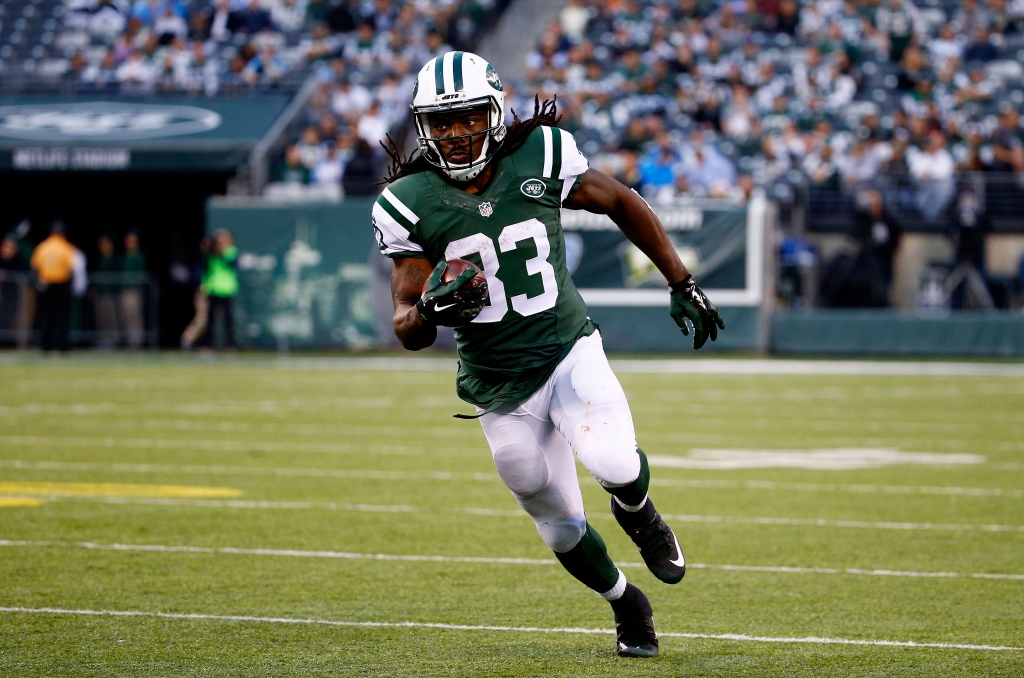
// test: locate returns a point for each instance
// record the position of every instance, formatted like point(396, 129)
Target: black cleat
point(634, 625)
point(658, 544)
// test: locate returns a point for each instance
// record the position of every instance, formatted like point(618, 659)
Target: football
point(455, 269)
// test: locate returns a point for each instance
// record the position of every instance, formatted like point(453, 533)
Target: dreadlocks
point(544, 113)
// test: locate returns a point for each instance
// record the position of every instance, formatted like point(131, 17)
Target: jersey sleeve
point(394, 226)
point(574, 164)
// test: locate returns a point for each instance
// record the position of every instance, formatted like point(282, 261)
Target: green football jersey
point(513, 232)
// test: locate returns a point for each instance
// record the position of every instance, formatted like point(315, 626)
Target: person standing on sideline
point(54, 261)
point(12, 266)
point(133, 265)
point(220, 283)
point(105, 294)
point(195, 330)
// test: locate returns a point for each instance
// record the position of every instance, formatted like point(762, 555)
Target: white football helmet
point(459, 81)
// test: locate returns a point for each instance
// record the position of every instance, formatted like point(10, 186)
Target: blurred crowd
point(364, 88)
point(204, 46)
point(712, 98)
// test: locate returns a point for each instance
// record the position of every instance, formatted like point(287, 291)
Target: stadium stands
point(364, 86)
point(211, 46)
point(812, 100)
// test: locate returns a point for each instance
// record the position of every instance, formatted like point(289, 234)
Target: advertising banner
point(722, 245)
point(51, 133)
point(305, 273)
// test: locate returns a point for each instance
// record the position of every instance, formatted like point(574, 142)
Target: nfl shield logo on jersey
point(486, 209)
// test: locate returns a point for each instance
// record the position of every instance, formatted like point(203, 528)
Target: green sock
point(634, 493)
point(588, 561)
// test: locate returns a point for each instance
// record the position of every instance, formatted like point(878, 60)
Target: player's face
point(460, 134)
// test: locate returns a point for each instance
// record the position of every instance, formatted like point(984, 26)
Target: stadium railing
point(19, 316)
point(832, 209)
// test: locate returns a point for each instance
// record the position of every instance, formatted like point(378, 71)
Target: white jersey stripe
point(400, 206)
point(394, 237)
point(546, 131)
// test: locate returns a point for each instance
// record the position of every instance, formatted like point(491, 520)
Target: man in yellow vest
point(54, 261)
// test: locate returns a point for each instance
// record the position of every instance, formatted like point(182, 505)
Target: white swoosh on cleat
point(682, 559)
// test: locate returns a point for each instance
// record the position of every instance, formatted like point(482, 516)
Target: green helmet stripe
point(439, 74)
point(457, 71)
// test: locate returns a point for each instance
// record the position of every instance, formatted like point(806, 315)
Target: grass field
point(222, 500)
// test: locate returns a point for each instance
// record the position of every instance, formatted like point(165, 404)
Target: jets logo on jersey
point(533, 188)
point(380, 236)
point(486, 209)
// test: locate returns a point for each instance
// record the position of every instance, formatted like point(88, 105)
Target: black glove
point(690, 303)
point(451, 304)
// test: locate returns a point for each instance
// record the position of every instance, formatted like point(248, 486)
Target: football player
point(531, 360)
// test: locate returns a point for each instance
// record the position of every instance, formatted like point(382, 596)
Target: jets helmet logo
point(486, 209)
point(492, 78)
point(533, 188)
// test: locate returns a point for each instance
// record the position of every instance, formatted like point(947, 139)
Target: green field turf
point(302, 470)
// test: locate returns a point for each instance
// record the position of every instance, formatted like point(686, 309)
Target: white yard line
point(822, 522)
point(446, 476)
point(820, 368)
point(698, 366)
point(402, 363)
point(499, 629)
point(210, 445)
point(344, 555)
point(385, 508)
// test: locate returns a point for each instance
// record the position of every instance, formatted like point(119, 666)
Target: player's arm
point(407, 280)
point(601, 194)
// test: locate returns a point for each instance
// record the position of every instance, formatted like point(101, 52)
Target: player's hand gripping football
point(454, 294)
point(690, 303)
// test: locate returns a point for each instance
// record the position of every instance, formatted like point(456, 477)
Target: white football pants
point(581, 408)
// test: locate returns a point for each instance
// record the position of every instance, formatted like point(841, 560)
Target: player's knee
point(522, 468)
point(615, 467)
point(562, 535)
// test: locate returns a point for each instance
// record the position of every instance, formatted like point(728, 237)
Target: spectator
point(657, 166)
point(574, 17)
point(1007, 147)
point(966, 286)
point(707, 170)
point(220, 284)
point(877, 231)
point(132, 297)
point(251, 20)
point(981, 48)
point(310, 147)
point(373, 125)
point(196, 328)
point(362, 171)
point(932, 170)
point(901, 21)
point(292, 170)
point(330, 168)
point(169, 26)
point(54, 261)
point(946, 46)
point(858, 278)
point(136, 75)
point(105, 294)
